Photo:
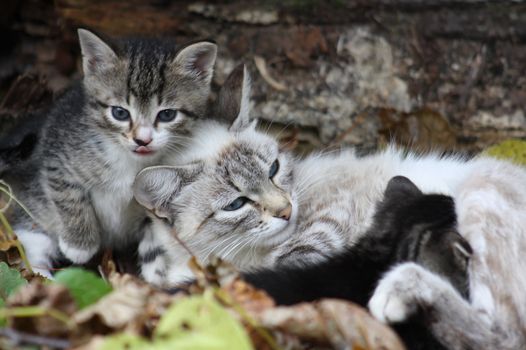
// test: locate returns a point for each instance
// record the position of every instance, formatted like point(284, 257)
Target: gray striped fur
point(86, 160)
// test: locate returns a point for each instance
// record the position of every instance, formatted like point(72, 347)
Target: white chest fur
point(117, 212)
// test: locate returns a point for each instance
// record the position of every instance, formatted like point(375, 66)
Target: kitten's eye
point(167, 115)
point(273, 169)
point(120, 113)
point(236, 204)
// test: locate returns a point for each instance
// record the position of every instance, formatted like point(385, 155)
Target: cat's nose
point(143, 135)
point(285, 212)
point(143, 142)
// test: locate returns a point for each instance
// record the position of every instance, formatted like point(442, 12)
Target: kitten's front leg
point(402, 290)
point(409, 288)
point(79, 239)
point(162, 263)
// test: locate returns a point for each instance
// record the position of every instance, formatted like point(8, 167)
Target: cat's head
point(235, 190)
point(140, 91)
point(427, 230)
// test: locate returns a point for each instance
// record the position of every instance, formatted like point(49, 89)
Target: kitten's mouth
point(143, 150)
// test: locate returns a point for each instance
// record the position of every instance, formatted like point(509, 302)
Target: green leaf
point(125, 341)
point(200, 322)
point(85, 287)
point(10, 280)
point(193, 323)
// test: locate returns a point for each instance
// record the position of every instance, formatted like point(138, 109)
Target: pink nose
point(143, 142)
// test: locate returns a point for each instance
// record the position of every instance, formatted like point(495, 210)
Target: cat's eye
point(273, 169)
point(167, 115)
point(236, 204)
point(120, 113)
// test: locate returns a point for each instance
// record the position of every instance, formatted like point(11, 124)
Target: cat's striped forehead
point(146, 76)
point(244, 163)
point(241, 158)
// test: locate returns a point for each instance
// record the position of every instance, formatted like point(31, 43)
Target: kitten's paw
point(75, 254)
point(397, 295)
point(388, 307)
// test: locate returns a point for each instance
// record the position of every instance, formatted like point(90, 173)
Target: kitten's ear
point(400, 188)
point(233, 104)
point(462, 250)
point(197, 60)
point(96, 54)
point(155, 187)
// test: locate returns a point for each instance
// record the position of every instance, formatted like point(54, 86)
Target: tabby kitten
point(241, 198)
point(128, 112)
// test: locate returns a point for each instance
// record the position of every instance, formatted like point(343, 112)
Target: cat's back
point(338, 192)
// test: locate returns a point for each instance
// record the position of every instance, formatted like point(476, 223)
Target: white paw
point(40, 249)
point(397, 295)
point(387, 307)
point(76, 255)
point(44, 272)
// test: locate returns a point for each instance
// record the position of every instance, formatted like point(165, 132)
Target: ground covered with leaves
point(80, 310)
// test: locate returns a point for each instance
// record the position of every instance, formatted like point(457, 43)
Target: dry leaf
point(46, 296)
point(336, 322)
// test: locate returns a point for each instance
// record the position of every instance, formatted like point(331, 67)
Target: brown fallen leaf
point(339, 323)
point(248, 297)
point(133, 306)
point(54, 299)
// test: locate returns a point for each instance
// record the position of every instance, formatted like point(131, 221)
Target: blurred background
point(327, 73)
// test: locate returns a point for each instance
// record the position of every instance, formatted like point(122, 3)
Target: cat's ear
point(400, 188)
point(155, 187)
point(97, 56)
point(233, 104)
point(197, 60)
point(462, 250)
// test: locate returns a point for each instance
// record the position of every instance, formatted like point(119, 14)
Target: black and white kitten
point(408, 226)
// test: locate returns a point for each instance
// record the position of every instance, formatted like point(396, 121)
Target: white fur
point(39, 248)
point(490, 198)
point(399, 294)
point(78, 256)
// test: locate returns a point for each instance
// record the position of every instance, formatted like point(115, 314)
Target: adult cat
point(237, 195)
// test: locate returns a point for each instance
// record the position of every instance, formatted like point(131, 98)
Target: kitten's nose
point(143, 142)
point(285, 212)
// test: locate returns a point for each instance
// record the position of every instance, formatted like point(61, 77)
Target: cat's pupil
point(167, 115)
point(120, 113)
point(273, 169)
point(236, 204)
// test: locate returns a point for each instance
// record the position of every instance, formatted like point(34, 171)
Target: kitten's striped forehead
point(146, 71)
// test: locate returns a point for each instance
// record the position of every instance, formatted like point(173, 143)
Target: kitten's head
point(141, 91)
point(235, 192)
point(427, 232)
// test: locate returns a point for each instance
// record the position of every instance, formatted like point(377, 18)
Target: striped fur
point(86, 160)
point(336, 193)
